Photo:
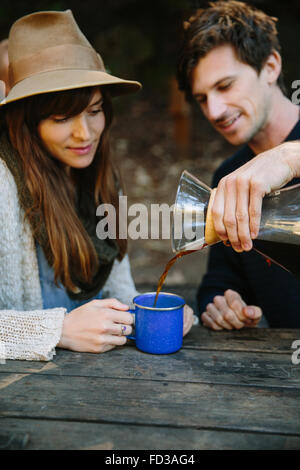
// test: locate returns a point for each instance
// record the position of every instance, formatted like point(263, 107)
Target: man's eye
point(225, 87)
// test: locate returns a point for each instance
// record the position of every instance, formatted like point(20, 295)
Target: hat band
point(65, 56)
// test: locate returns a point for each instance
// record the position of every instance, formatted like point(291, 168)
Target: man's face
point(233, 97)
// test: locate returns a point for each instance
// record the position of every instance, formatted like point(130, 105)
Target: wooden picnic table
point(227, 390)
point(222, 390)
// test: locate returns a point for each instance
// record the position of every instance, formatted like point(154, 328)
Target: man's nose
point(216, 107)
point(81, 128)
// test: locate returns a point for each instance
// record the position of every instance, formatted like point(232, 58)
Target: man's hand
point(236, 209)
point(230, 312)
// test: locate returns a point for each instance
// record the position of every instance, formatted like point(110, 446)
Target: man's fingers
point(230, 311)
point(208, 322)
point(232, 318)
point(237, 207)
point(252, 312)
point(229, 219)
point(232, 296)
point(218, 212)
point(236, 304)
point(229, 315)
point(248, 314)
point(255, 205)
point(242, 214)
point(217, 317)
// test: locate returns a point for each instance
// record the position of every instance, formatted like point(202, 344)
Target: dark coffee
point(168, 267)
point(285, 255)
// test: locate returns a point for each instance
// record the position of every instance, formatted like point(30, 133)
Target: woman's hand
point(230, 312)
point(188, 319)
point(236, 209)
point(98, 326)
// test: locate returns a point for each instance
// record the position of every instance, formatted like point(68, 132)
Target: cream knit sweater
point(27, 331)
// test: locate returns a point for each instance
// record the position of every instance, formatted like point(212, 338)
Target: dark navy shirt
point(259, 282)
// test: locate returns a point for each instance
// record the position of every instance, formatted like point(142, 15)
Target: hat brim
point(59, 80)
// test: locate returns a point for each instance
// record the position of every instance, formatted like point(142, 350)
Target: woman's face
point(74, 140)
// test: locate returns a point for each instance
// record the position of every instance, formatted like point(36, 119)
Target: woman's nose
point(81, 128)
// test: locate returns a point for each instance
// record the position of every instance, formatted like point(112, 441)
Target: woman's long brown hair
point(50, 187)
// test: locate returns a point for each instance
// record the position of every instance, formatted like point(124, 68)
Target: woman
point(54, 171)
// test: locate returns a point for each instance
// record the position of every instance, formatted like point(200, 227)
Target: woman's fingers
point(122, 317)
point(119, 329)
point(188, 319)
point(114, 316)
point(104, 346)
point(114, 322)
point(115, 340)
point(109, 303)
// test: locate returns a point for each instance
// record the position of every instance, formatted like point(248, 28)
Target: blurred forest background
point(156, 134)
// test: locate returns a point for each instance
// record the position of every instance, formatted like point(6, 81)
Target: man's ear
point(272, 67)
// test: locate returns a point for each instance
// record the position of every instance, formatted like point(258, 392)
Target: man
point(230, 63)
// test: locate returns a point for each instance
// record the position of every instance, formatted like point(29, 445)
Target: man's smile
point(227, 124)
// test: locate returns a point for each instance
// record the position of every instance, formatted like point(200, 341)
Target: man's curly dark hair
point(251, 32)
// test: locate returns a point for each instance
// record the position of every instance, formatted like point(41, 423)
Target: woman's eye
point(96, 111)
point(59, 118)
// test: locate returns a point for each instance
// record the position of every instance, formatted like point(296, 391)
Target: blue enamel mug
point(159, 329)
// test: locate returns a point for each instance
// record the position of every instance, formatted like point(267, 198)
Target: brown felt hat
point(48, 53)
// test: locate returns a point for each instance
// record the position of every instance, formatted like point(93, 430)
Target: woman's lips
point(81, 150)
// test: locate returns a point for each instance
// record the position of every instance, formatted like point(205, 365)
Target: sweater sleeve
point(30, 335)
point(25, 333)
point(120, 284)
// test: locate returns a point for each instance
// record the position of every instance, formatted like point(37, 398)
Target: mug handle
point(133, 312)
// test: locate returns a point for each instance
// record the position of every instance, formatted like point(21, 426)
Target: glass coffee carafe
point(279, 235)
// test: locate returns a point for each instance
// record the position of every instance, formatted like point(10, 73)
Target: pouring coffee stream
point(279, 236)
point(167, 268)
